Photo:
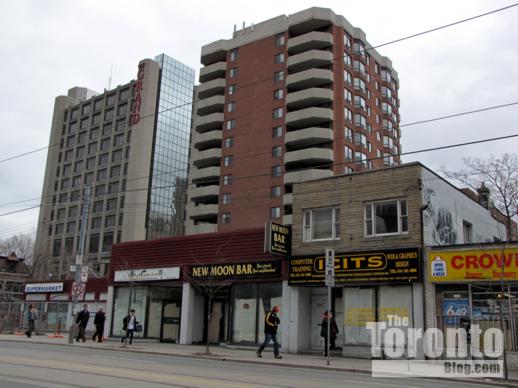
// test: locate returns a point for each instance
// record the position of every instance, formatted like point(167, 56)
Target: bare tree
point(209, 284)
point(21, 244)
point(500, 176)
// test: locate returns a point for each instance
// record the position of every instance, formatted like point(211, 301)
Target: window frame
point(400, 217)
point(308, 224)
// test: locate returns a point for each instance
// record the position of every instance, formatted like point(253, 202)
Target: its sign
point(43, 287)
point(137, 92)
point(473, 265)
point(147, 274)
point(278, 239)
point(388, 266)
point(257, 269)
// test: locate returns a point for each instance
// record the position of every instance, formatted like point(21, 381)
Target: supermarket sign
point(43, 287)
point(473, 265)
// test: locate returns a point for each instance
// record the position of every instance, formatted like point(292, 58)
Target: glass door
point(170, 331)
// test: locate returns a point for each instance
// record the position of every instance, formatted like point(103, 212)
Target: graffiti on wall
point(439, 220)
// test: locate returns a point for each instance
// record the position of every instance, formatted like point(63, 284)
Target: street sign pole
point(330, 282)
point(79, 258)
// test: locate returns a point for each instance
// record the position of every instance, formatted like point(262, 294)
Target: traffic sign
point(78, 289)
point(84, 277)
point(330, 267)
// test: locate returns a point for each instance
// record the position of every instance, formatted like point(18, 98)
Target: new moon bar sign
point(278, 239)
point(387, 266)
point(256, 269)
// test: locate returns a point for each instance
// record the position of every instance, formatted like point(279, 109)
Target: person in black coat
point(81, 321)
point(99, 319)
point(129, 324)
point(323, 331)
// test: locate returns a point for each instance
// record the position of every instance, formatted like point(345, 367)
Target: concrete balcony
point(309, 78)
point(211, 105)
point(212, 88)
point(310, 59)
point(305, 175)
point(210, 157)
point(206, 140)
point(209, 122)
point(202, 212)
point(309, 156)
point(310, 41)
point(214, 52)
point(308, 117)
point(309, 97)
point(308, 136)
point(216, 70)
point(200, 175)
point(287, 199)
point(204, 193)
point(201, 228)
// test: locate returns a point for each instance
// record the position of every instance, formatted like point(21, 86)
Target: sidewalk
point(224, 353)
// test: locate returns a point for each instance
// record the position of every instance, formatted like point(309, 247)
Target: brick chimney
point(483, 195)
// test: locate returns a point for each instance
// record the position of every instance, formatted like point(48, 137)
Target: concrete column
point(187, 321)
point(285, 317)
point(109, 312)
point(418, 309)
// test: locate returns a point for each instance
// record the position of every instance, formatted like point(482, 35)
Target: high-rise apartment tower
point(286, 100)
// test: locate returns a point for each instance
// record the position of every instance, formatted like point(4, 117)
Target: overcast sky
point(47, 47)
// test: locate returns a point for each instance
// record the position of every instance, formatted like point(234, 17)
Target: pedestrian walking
point(81, 321)
point(32, 315)
point(328, 315)
point(99, 320)
point(129, 323)
point(271, 324)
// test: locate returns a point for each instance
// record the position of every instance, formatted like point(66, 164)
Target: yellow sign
point(359, 316)
point(473, 265)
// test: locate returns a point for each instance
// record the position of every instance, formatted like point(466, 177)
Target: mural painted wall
point(448, 209)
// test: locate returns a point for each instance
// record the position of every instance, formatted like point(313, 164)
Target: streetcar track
point(39, 380)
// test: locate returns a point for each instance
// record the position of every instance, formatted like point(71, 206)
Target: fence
point(11, 317)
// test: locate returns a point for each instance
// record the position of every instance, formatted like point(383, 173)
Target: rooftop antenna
point(110, 78)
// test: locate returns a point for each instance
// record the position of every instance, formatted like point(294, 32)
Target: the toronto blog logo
point(399, 350)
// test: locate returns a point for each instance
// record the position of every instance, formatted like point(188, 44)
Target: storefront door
point(216, 325)
point(170, 331)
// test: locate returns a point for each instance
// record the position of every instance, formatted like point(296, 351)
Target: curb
point(507, 383)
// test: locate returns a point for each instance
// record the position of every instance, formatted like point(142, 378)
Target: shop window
point(250, 304)
point(388, 217)
point(321, 224)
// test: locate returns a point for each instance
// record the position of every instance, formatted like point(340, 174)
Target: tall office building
point(286, 100)
point(130, 145)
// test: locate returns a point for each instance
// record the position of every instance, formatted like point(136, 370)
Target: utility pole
point(78, 284)
point(330, 283)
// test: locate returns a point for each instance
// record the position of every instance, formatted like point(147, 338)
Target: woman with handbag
point(130, 324)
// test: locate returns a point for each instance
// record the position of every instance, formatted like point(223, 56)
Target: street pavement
point(245, 357)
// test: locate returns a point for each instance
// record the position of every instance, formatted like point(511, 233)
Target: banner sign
point(387, 266)
point(147, 274)
point(278, 239)
point(43, 287)
point(256, 269)
point(473, 265)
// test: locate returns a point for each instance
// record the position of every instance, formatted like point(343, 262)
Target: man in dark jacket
point(81, 321)
point(328, 316)
point(31, 317)
point(99, 319)
point(271, 323)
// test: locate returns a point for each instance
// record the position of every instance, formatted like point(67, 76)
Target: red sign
point(137, 89)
